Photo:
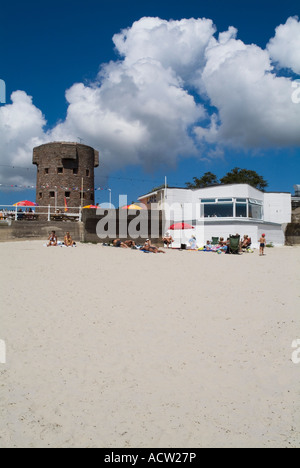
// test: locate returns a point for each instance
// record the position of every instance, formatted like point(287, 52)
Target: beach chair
point(234, 246)
point(215, 241)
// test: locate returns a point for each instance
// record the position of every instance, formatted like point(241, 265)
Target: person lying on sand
point(68, 241)
point(130, 244)
point(148, 247)
point(119, 244)
point(52, 240)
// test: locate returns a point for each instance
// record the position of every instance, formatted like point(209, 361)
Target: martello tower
point(65, 171)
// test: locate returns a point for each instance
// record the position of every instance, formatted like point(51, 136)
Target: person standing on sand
point(262, 245)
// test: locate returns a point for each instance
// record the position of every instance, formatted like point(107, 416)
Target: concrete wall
point(39, 230)
point(119, 225)
point(278, 207)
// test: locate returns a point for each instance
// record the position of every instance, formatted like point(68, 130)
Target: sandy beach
point(116, 348)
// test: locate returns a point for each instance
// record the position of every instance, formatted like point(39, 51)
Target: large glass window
point(218, 210)
point(255, 211)
point(227, 208)
point(241, 210)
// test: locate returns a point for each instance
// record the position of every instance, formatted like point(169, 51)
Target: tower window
point(40, 195)
point(67, 194)
point(88, 173)
point(52, 194)
point(46, 170)
point(75, 171)
point(60, 170)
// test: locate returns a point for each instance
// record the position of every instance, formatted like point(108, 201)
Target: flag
point(66, 205)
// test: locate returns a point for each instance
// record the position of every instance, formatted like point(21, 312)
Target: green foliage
point(245, 176)
point(236, 176)
point(207, 180)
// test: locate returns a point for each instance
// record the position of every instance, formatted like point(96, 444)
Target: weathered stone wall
point(292, 234)
point(61, 168)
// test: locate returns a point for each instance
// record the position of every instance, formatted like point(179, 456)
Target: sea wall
point(39, 230)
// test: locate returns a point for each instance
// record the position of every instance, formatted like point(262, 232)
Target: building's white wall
point(278, 207)
point(184, 205)
point(274, 233)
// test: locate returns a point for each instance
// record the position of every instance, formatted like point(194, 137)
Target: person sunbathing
point(52, 240)
point(168, 240)
point(68, 241)
point(148, 247)
point(208, 246)
point(130, 244)
point(246, 242)
point(222, 242)
point(119, 244)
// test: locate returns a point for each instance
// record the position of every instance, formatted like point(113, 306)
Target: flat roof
point(203, 188)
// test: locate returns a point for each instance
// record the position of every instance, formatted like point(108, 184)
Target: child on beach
point(262, 244)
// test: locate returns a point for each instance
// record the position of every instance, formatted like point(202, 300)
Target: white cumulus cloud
point(21, 128)
point(175, 88)
point(284, 48)
point(255, 107)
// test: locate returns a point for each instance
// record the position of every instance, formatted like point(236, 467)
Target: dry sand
point(114, 348)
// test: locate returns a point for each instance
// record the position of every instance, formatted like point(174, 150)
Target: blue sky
point(46, 47)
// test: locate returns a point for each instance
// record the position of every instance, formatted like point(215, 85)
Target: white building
point(222, 210)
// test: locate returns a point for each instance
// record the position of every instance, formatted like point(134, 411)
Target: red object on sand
point(180, 227)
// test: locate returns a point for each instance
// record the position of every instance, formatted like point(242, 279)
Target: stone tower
point(65, 171)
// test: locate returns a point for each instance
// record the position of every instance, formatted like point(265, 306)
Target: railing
point(18, 213)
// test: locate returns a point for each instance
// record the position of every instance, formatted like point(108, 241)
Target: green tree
point(207, 180)
point(245, 176)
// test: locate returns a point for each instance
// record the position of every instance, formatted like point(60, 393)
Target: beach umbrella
point(25, 203)
point(133, 207)
point(180, 227)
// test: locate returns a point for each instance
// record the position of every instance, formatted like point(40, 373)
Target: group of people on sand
point(244, 244)
point(130, 244)
point(223, 245)
point(53, 240)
